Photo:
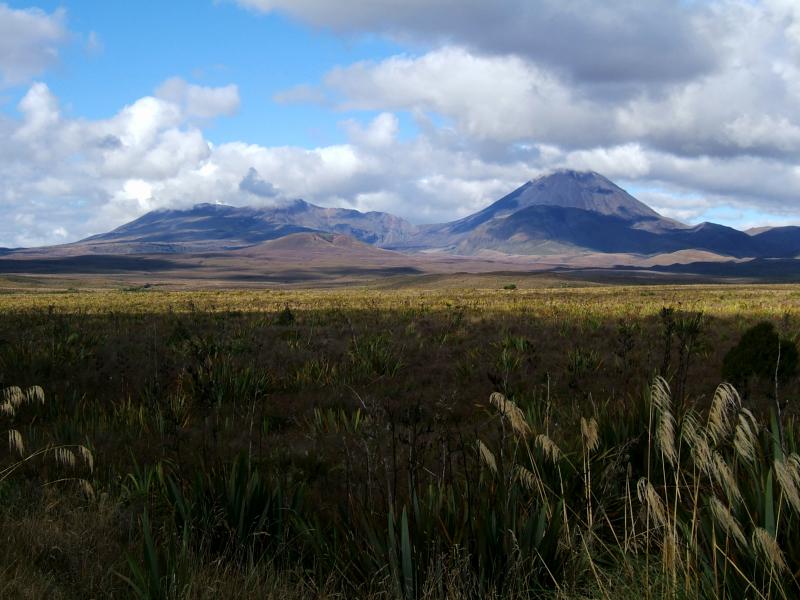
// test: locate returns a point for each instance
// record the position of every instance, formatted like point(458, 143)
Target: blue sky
point(429, 109)
point(141, 44)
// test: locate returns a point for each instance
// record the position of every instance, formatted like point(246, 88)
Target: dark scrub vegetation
point(563, 443)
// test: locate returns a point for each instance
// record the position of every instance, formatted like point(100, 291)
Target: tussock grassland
point(562, 442)
point(569, 299)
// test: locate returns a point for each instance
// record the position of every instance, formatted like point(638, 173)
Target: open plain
point(365, 442)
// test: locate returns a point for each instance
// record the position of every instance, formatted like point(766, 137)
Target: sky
point(428, 109)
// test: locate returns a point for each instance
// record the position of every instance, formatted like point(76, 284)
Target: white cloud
point(40, 113)
point(198, 101)
point(254, 184)
point(676, 205)
point(29, 42)
point(745, 101)
point(628, 161)
point(590, 41)
point(497, 98)
point(751, 106)
point(89, 176)
point(380, 133)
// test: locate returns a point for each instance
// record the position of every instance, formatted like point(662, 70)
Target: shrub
point(756, 356)
point(285, 317)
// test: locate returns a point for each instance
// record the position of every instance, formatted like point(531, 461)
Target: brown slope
point(323, 248)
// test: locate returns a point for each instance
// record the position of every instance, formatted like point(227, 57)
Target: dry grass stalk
point(526, 477)
point(86, 488)
point(35, 394)
point(510, 411)
point(7, 409)
point(769, 548)
point(697, 440)
point(744, 439)
point(65, 457)
point(487, 457)
point(787, 480)
point(793, 464)
point(15, 443)
point(652, 501)
point(727, 521)
point(589, 430)
point(549, 447)
point(671, 557)
point(724, 476)
point(665, 429)
point(86, 456)
point(726, 402)
point(14, 396)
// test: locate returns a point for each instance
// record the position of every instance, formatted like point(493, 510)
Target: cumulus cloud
point(614, 40)
point(87, 176)
point(750, 106)
point(103, 170)
point(380, 133)
point(628, 161)
point(29, 42)
point(199, 101)
point(253, 183)
point(66, 178)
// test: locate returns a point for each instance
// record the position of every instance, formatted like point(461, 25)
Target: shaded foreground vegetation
point(451, 444)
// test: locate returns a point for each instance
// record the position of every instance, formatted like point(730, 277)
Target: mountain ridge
point(231, 227)
point(559, 213)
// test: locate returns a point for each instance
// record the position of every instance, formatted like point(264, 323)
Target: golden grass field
point(545, 297)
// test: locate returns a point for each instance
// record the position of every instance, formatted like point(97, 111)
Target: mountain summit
point(565, 188)
point(561, 211)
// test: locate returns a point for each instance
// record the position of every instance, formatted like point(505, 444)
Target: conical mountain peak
point(585, 190)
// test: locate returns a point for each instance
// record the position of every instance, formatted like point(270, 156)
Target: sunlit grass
point(546, 301)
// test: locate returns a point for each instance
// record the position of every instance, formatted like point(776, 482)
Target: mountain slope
point(779, 242)
point(565, 213)
point(321, 246)
point(555, 229)
point(317, 241)
point(208, 227)
point(588, 191)
point(562, 196)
